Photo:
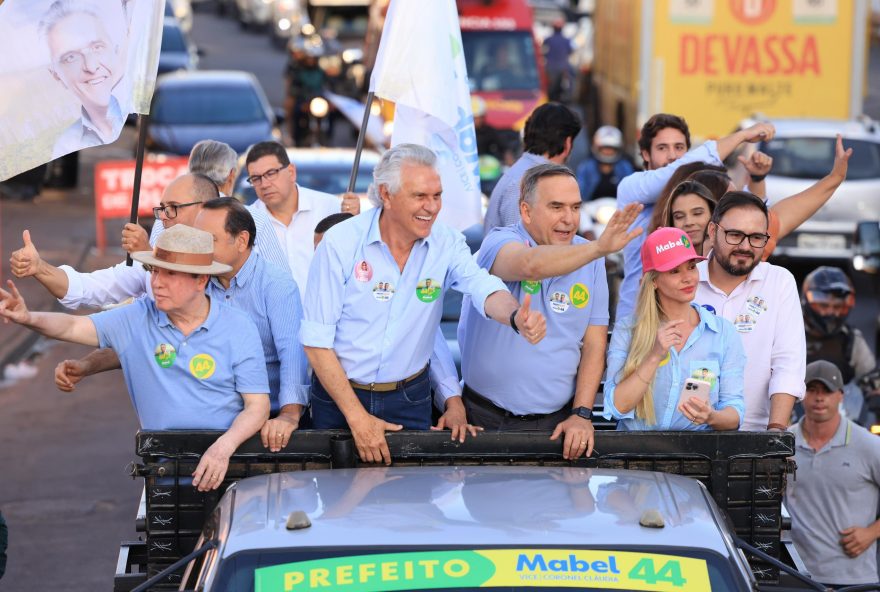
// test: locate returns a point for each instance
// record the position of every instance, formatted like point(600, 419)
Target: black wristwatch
point(584, 412)
point(513, 321)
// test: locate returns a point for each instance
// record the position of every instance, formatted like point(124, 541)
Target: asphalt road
point(63, 486)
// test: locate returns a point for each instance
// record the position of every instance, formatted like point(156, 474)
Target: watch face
point(583, 412)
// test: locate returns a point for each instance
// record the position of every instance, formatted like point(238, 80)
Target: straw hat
point(183, 248)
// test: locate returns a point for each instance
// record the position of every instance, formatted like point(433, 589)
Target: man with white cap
point(599, 175)
point(833, 501)
point(182, 367)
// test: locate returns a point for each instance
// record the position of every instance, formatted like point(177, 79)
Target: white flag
point(71, 71)
point(420, 66)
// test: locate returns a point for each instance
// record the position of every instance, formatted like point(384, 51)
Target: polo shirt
point(834, 488)
point(645, 187)
point(271, 300)
point(382, 323)
point(179, 382)
point(508, 370)
point(503, 208)
point(713, 345)
point(297, 239)
point(766, 311)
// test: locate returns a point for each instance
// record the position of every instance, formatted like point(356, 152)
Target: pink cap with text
point(667, 248)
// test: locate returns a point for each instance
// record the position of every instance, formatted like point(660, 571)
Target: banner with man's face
point(71, 71)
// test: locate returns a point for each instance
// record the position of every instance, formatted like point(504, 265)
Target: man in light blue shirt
point(375, 302)
point(547, 137)
point(664, 144)
point(189, 362)
point(551, 386)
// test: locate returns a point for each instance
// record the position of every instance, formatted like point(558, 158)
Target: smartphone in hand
point(694, 387)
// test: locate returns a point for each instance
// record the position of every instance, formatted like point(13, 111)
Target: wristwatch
point(584, 412)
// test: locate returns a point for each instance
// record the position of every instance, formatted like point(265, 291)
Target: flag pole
point(360, 143)
point(144, 121)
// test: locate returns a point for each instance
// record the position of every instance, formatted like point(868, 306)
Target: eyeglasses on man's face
point(757, 240)
point(170, 210)
point(267, 176)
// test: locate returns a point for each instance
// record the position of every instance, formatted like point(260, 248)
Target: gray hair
point(387, 172)
point(528, 187)
point(60, 10)
point(213, 159)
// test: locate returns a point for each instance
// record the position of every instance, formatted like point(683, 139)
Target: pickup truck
point(648, 511)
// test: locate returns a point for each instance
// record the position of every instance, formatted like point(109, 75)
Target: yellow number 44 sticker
point(579, 295)
point(202, 366)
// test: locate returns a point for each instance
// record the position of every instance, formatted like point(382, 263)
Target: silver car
point(462, 528)
point(803, 152)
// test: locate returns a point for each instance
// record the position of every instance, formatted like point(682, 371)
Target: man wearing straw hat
point(189, 362)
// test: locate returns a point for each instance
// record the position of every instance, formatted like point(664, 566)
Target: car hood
point(852, 201)
point(179, 139)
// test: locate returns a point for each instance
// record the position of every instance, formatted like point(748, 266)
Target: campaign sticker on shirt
point(383, 291)
point(530, 286)
point(363, 271)
point(428, 290)
point(756, 305)
point(704, 373)
point(580, 295)
point(165, 355)
point(744, 323)
point(559, 302)
point(202, 366)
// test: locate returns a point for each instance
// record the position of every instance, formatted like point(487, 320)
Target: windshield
point(500, 60)
point(172, 39)
point(812, 158)
point(469, 569)
point(328, 179)
point(207, 105)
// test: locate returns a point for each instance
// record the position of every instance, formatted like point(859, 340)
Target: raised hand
point(758, 164)
point(841, 160)
point(12, 305)
point(531, 324)
point(26, 261)
point(669, 335)
point(760, 132)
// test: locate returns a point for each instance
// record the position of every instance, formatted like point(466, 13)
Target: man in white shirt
point(293, 211)
point(761, 300)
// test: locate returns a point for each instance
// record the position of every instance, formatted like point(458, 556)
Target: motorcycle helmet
point(827, 296)
point(607, 136)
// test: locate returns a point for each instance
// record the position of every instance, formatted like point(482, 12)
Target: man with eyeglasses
point(762, 301)
point(293, 211)
point(87, 61)
point(181, 203)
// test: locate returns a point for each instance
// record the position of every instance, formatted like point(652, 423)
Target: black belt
point(481, 401)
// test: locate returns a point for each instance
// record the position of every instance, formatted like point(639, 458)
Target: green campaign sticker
point(428, 290)
point(685, 241)
point(165, 354)
point(531, 286)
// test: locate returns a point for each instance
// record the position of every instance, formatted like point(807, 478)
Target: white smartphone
point(694, 387)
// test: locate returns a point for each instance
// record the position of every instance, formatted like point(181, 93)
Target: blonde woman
point(668, 341)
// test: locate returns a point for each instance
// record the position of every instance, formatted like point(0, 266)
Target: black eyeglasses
point(736, 237)
point(170, 210)
point(267, 176)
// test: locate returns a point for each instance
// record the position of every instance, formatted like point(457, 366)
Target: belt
point(387, 387)
point(481, 401)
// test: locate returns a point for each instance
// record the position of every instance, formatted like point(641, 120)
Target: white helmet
point(607, 136)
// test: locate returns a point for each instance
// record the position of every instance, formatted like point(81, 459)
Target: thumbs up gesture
point(26, 261)
point(531, 324)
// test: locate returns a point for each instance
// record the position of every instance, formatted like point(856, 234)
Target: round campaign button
point(559, 302)
point(165, 354)
point(363, 271)
point(383, 291)
point(428, 290)
point(202, 366)
point(744, 323)
point(530, 286)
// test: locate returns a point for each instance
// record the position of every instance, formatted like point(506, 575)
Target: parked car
point(803, 152)
point(225, 105)
point(321, 169)
point(253, 14)
point(177, 51)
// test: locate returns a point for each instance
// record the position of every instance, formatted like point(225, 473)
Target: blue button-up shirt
point(503, 209)
point(380, 322)
point(271, 299)
point(502, 366)
point(644, 187)
point(714, 345)
point(179, 382)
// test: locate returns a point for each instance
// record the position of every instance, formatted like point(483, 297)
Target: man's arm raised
point(516, 261)
point(26, 262)
point(60, 326)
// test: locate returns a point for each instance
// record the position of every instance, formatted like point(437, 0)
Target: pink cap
point(667, 248)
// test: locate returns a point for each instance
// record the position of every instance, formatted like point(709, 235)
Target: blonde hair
point(646, 323)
